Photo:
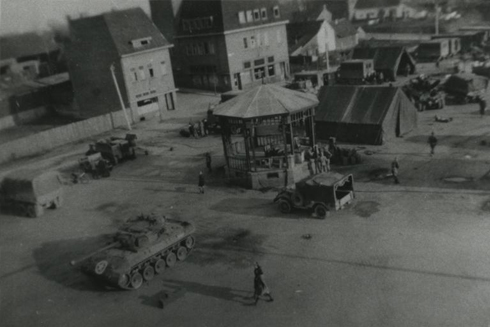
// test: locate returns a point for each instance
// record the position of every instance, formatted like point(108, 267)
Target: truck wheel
point(321, 211)
point(136, 280)
point(284, 206)
point(148, 273)
point(182, 253)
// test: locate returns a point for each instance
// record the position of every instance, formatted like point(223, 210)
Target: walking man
point(260, 288)
point(483, 106)
point(201, 183)
point(432, 142)
point(191, 130)
point(394, 170)
point(208, 161)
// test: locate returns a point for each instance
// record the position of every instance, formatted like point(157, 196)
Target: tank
point(142, 247)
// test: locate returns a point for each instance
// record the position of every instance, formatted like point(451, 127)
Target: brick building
point(230, 45)
point(129, 42)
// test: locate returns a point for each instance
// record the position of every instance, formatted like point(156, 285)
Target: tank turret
point(142, 247)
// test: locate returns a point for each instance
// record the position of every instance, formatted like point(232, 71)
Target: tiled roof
point(300, 34)
point(27, 44)
point(344, 28)
point(266, 100)
point(366, 4)
point(384, 57)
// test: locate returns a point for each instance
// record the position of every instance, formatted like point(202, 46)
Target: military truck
point(322, 192)
point(142, 247)
point(356, 71)
point(116, 149)
point(29, 192)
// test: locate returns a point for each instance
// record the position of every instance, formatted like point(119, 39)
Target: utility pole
point(436, 5)
point(113, 69)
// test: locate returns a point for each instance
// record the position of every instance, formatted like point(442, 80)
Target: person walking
point(201, 183)
point(483, 106)
point(208, 162)
point(260, 287)
point(432, 142)
point(394, 170)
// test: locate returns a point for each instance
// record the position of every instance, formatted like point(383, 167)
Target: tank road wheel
point(284, 206)
point(182, 253)
point(189, 242)
point(136, 280)
point(159, 266)
point(148, 273)
point(321, 211)
point(171, 259)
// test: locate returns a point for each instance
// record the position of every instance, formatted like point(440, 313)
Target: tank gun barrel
point(107, 247)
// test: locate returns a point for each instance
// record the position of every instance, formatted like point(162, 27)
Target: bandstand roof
point(266, 100)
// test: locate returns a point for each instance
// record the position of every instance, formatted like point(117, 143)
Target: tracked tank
point(142, 247)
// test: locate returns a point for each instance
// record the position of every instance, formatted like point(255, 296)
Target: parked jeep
point(322, 193)
point(29, 192)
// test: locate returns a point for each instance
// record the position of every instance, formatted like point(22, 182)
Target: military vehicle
point(322, 193)
point(116, 149)
point(142, 247)
point(29, 192)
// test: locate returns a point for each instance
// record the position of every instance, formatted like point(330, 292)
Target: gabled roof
point(355, 104)
point(27, 44)
point(383, 57)
point(119, 28)
point(266, 100)
point(299, 34)
point(343, 28)
point(366, 4)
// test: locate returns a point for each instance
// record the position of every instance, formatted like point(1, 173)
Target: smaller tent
point(363, 114)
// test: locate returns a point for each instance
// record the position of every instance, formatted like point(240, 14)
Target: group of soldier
point(198, 129)
point(318, 159)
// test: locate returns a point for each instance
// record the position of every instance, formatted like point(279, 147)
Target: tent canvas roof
point(357, 105)
point(266, 100)
point(384, 57)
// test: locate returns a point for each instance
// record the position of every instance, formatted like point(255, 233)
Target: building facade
point(120, 50)
point(382, 9)
point(230, 45)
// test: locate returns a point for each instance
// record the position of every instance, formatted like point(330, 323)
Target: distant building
point(297, 11)
point(28, 56)
point(129, 42)
point(165, 14)
point(230, 45)
point(469, 38)
point(346, 35)
point(382, 9)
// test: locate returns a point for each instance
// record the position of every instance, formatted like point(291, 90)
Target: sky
point(18, 16)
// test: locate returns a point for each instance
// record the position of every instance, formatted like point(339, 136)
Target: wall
point(49, 139)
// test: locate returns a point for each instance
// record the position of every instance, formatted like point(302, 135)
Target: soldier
point(394, 170)
point(432, 142)
point(208, 161)
point(191, 130)
point(260, 288)
point(201, 183)
point(483, 106)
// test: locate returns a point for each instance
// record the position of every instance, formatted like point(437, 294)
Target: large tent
point(363, 114)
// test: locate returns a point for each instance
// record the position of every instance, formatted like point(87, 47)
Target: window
point(163, 67)
point(259, 62)
point(270, 59)
point(259, 40)
point(145, 42)
point(263, 11)
point(142, 74)
point(247, 65)
point(279, 36)
point(134, 75)
point(250, 17)
point(252, 42)
point(241, 17)
point(276, 11)
point(211, 48)
point(271, 70)
point(151, 72)
point(259, 72)
point(256, 14)
point(245, 43)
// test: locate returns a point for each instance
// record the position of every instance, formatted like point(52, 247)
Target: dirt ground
point(413, 254)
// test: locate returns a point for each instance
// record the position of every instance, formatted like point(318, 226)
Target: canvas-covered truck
point(29, 192)
point(322, 192)
point(356, 71)
point(116, 149)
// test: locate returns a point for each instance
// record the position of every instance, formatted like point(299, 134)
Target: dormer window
point(256, 14)
point(263, 12)
point(139, 43)
point(276, 12)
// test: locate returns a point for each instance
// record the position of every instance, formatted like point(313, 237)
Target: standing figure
point(208, 162)
point(260, 288)
point(483, 106)
point(432, 142)
point(206, 126)
point(318, 162)
point(201, 128)
point(191, 130)
point(201, 183)
point(197, 130)
point(309, 157)
point(394, 170)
